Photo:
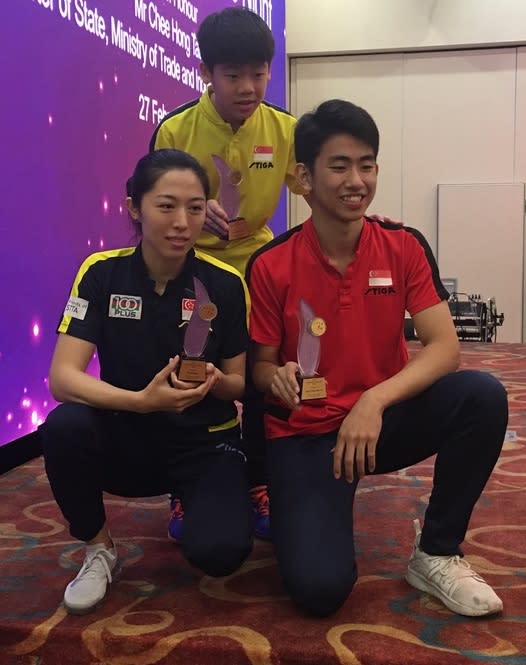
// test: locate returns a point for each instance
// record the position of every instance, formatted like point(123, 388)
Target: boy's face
point(237, 90)
point(343, 182)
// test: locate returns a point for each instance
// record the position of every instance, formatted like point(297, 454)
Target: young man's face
point(237, 90)
point(343, 182)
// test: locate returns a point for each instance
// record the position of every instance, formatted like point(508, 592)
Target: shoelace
point(456, 568)
point(455, 564)
point(94, 565)
point(260, 500)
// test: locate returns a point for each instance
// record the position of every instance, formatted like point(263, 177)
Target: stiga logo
point(262, 165)
point(380, 291)
point(125, 307)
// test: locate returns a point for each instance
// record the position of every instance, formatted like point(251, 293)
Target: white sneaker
point(452, 580)
point(89, 588)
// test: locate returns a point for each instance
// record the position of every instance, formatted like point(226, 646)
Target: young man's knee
point(320, 597)
point(488, 395)
point(218, 560)
point(321, 591)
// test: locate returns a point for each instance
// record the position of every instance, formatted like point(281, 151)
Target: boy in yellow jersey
point(246, 146)
point(232, 121)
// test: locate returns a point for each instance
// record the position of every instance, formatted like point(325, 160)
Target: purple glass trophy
point(312, 327)
point(193, 363)
point(230, 199)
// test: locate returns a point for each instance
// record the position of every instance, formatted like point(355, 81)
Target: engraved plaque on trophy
point(312, 327)
point(193, 363)
point(230, 199)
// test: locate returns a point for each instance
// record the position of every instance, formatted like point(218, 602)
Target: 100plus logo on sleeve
point(125, 307)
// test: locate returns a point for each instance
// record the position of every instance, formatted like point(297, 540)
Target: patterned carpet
point(162, 611)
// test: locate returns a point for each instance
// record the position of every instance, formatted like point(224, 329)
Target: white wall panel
point(473, 248)
point(374, 82)
point(520, 145)
point(459, 123)
point(520, 115)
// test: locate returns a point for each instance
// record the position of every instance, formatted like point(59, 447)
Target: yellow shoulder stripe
point(86, 265)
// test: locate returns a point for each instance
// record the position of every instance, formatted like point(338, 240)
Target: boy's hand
point(384, 218)
point(216, 221)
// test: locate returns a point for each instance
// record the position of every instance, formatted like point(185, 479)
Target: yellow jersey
point(260, 153)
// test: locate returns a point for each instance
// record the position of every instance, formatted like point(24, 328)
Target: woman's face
point(172, 215)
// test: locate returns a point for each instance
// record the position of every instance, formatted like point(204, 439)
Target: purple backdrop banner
point(84, 83)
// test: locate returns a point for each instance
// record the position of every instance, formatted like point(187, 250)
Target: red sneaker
point(175, 525)
point(261, 506)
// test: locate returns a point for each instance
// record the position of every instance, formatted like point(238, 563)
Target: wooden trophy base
point(312, 387)
point(238, 229)
point(192, 370)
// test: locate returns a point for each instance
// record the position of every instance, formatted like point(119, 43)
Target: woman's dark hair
point(235, 36)
point(154, 165)
point(335, 116)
